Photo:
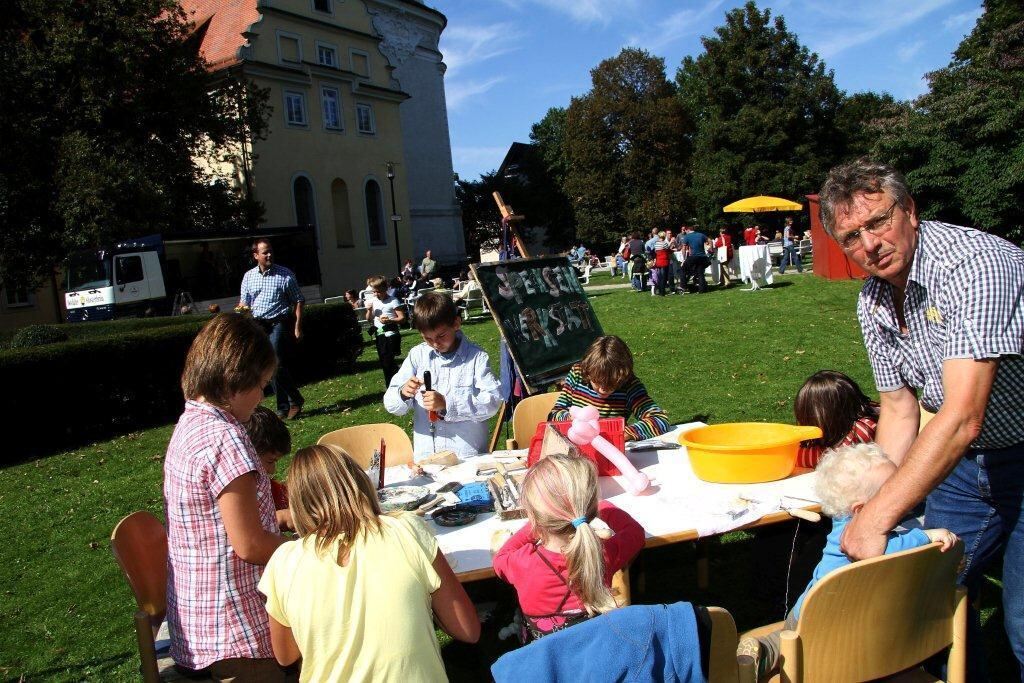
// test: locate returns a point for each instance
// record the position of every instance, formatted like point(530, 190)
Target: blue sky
point(509, 61)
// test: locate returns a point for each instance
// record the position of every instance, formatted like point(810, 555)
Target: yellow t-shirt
point(368, 621)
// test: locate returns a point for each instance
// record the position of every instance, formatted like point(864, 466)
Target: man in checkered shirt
point(943, 322)
point(271, 291)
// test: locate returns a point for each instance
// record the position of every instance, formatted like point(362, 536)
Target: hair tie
point(578, 521)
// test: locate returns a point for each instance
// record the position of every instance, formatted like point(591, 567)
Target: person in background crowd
point(428, 267)
point(751, 234)
point(408, 269)
point(620, 256)
point(636, 246)
point(790, 250)
point(387, 314)
point(944, 332)
point(724, 239)
point(662, 262)
point(697, 259)
point(272, 294)
point(352, 297)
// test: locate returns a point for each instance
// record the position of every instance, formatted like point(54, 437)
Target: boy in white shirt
point(464, 392)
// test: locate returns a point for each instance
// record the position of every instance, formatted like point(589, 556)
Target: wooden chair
point(877, 618)
point(139, 544)
point(722, 662)
point(529, 413)
point(361, 441)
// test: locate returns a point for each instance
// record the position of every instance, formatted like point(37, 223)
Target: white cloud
point(963, 22)
point(906, 52)
point(459, 91)
point(889, 17)
point(582, 11)
point(467, 45)
point(686, 22)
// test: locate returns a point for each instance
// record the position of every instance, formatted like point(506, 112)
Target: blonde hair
point(607, 363)
point(558, 490)
point(377, 282)
point(331, 498)
point(845, 478)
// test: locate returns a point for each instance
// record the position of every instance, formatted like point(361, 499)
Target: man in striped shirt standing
point(942, 321)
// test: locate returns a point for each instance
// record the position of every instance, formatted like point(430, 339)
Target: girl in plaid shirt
point(221, 526)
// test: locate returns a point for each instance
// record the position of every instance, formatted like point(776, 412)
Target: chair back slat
point(139, 544)
point(529, 413)
point(879, 616)
point(362, 440)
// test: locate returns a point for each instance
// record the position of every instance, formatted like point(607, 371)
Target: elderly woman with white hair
point(846, 479)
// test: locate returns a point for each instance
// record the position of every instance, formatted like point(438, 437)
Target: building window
point(289, 49)
point(305, 205)
point(330, 101)
point(364, 119)
point(17, 297)
point(326, 55)
point(360, 62)
point(342, 215)
point(294, 108)
point(323, 6)
point(375, 214)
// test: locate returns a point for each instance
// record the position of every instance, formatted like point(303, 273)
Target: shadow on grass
point(346, 404)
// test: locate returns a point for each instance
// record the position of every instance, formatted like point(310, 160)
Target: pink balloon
point(585, 430)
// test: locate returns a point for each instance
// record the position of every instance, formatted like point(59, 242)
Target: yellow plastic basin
point(745, 452)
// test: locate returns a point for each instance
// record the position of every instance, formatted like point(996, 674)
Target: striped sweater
point(630, 401)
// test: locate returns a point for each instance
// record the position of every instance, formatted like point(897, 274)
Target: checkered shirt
point(271, 294)
point(963, 300)
point(213, 608)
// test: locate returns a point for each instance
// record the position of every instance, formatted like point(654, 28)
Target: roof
point(221, 23)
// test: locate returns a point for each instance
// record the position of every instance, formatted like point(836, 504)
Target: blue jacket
point(637, 643)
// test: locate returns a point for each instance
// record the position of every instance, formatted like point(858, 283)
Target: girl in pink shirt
point(558, 563)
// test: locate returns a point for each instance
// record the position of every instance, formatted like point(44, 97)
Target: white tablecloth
point(677, 502)
point(756, 265)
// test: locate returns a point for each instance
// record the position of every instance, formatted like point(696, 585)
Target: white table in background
point(756, 266)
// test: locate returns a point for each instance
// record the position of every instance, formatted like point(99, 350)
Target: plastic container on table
point(611, 428)
point(745, 452)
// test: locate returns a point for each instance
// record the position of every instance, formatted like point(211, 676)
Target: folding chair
point(362, 440)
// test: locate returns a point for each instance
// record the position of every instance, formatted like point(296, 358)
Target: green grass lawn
point(723, 356)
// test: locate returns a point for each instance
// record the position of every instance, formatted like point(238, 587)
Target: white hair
point(844, 477)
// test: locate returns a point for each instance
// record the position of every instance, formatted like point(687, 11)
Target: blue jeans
point(981, 501)
point(790, 255)
point(287, 393)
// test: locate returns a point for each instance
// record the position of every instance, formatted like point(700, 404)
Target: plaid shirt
point(271, 294)
point(213, 608)
point(963, 300)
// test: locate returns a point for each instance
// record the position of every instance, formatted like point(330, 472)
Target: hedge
point(67, 394)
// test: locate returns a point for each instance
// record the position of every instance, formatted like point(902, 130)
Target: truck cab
point(123, 280)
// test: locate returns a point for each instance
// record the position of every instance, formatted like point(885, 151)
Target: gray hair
point(843, 477)
point(861, 176)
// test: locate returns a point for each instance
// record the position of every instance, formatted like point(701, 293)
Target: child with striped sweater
point(604, 379)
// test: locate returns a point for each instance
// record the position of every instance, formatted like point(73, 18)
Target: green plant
point(37, 335)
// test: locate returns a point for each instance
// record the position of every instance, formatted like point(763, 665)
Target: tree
point(545, 176)
point(858, 118)
point(765, 110)
point(961, 145)
point(110, 123)
point(626, 145)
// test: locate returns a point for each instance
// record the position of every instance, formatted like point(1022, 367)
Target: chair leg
point(956, 665)
point(147, 648)
point(620, 587)
point(703, 555)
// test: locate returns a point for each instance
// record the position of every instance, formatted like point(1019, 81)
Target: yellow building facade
point(334, 129)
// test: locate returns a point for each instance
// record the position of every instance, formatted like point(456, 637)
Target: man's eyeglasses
point(876, 226)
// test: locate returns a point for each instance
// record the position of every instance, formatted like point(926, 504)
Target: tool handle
point(432, 414)
point(804, 514)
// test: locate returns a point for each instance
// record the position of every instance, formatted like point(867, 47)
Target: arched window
point(342, 215)
point(305, 205)
point(375, 214)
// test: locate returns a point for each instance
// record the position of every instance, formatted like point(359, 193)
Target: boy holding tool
point(463, 392)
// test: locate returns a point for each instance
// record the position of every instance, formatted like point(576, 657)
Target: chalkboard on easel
point(542, 313)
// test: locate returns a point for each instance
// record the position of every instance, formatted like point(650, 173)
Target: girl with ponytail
point(560, 564)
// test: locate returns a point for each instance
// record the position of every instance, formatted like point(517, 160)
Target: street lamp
point(394, 214)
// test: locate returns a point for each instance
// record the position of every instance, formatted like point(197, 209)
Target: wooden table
point(679, 508)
